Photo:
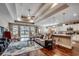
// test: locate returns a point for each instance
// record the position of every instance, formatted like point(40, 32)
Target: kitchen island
point(63, 40)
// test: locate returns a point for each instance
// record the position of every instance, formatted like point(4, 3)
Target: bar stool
point(48, 44)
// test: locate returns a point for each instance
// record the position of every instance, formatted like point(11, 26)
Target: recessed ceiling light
point(75, 14)
point(54, 26)
point(54, 5)
point(63, 24)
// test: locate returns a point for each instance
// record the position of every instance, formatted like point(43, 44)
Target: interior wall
point(3, 23)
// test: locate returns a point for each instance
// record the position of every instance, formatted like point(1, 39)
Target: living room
point(39, 29)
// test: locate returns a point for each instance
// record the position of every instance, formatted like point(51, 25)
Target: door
point(24, 33)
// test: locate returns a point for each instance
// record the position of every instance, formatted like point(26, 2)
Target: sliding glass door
point(15, 30)
point(24, 33)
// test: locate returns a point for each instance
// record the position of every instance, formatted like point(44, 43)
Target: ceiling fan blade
point(23, 16)
point(32, 17)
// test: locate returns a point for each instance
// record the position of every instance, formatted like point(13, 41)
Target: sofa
point(44, 43)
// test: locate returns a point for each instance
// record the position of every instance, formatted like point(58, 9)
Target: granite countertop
point(20, 47)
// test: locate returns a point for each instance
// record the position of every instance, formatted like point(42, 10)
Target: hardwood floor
point(57, 51)
point(61, 51)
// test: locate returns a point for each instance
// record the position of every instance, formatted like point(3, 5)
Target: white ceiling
point(44, 14)
point(60, 18)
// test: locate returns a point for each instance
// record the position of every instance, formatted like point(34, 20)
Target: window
point(15, 30)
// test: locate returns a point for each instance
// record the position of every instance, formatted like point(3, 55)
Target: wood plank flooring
point(61, 51)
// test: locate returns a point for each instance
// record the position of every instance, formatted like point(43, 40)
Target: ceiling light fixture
point(31, 21)
point(28, 17)
point(19, 19)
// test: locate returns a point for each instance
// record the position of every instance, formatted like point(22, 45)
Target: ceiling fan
point(29, 17)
